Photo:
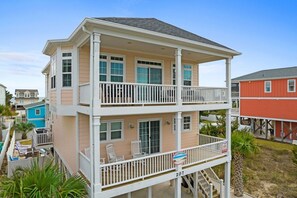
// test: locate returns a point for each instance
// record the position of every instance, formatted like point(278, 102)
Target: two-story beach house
point(124, 101)
point(268, 98)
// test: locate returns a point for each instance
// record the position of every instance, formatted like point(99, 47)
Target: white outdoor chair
point(111, 155)
point(136, 149)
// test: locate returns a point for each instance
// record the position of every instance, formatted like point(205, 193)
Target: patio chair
point(136, 149)
point(111, 155)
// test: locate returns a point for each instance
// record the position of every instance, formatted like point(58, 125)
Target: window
point(186, 75)
point(149, 72)
point(267, 87)
point(37, 111)
point(66, 69)
point(291, 85)
point(111, 130)
point(186, 123)
point(111, 68)
point(53, 71)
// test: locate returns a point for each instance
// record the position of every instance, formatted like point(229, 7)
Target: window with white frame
point(291, 85)
point(37, 111)
point(267, 86)
point(186, 75)
point(53, 71)
point(111, 68)
point(66, 69)
point(111, 130)
point(186, 123)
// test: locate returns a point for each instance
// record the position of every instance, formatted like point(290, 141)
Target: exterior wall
point(280, 109)
point(64, 132)
point(286, 129)
point(53, 97)
point(84, 131)
point(2, 95)
point(84, 64)
point(256, 89)
point(130, 65)
point(67, 97)
point(37, 120)
point(123, 147)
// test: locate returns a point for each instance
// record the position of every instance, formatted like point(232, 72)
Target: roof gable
point(156, 25)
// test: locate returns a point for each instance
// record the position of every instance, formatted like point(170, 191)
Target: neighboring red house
point(269, 97)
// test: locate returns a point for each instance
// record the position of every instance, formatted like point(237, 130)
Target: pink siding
point(123, 147)
point(53, 98)
point(84, 131)
point(67, 97)
point(65, 139)
point(84, 64)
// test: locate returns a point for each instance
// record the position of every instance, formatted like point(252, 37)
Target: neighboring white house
point(2, 94)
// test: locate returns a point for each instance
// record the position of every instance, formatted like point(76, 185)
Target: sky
point(264, 31)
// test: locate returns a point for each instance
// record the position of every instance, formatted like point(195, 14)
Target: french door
point(149, 134)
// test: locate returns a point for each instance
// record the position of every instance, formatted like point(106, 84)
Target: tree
point(4, 111)
point(24, 128)
point(242, 145)
point(8, 97)
point(41, 181)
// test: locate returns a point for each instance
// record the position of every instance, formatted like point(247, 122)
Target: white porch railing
point(46, 137)
point(191, 94)
point(84, 93)
point(136, 93)
point(85, 165)
point(129, 170)
point(119, 93)
point(207, 139)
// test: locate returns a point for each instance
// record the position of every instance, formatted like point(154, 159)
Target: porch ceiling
point(149, 48)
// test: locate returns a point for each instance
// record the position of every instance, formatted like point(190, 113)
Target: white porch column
point(178, 118)
point(96, 57)
point(178, 73)
point(94, 120)
point(228, 129)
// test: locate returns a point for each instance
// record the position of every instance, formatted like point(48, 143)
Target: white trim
point(275, 119)
point(108, 132)
point(29, 119)
point(71, 58)
point(288, 85)
point(268, 98)
point(261, 79)
point(270, 86)
point(161, 133)
point(36, 111)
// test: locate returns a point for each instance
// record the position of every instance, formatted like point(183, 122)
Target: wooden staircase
point(204, 185)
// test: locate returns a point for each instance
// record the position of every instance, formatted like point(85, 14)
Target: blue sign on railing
point(179, 158)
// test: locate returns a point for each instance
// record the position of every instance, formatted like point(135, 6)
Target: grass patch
point(26, 142)
point(270, 172)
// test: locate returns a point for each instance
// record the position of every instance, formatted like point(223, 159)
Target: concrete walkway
point(164, 190)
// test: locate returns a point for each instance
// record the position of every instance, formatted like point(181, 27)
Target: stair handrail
point(216, 181)
point(207, 191)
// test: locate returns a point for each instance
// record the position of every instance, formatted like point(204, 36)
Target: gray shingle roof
point(269, 74)
point(156, 25)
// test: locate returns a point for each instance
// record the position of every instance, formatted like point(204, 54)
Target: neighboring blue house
point(35, 113)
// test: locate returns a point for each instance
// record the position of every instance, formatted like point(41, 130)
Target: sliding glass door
point(149, 134)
